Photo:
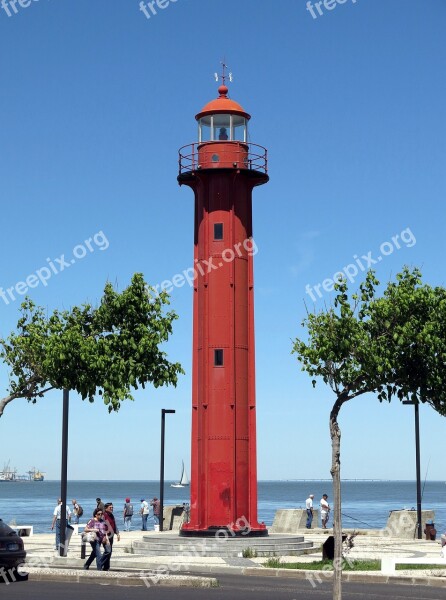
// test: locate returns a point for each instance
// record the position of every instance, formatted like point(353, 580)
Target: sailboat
point(184, 479)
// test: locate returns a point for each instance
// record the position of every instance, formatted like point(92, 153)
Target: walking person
point(309, 507)
point(56, 521)
point(325, 510)
point(112, 530)
point(144, 511)
point(128, 514)
point(156, 512)
point(99, 527)
point(77, 512)
point(100, 504)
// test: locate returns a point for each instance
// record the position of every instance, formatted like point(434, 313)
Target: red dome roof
point(222, 104)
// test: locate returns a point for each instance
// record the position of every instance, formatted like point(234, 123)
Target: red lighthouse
point(222, 168)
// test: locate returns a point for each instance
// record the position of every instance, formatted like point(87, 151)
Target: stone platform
point(291, 520)
point(171, 544)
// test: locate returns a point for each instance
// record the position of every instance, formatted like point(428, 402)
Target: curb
point(124, 580)
point(135, 575)
point(358, 577)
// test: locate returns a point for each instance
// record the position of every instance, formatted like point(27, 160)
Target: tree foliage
point(106, 350)
point(393, 346)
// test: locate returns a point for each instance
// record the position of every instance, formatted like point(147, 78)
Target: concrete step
point(225, 552)
point(179, 540)
point(223, 547)
point(216, 546)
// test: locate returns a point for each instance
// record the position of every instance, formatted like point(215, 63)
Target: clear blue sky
point(95, 101)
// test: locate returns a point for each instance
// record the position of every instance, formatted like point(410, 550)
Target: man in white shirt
point(144, 513)
point(325, 509)
point(56, 521)
point(309, 507)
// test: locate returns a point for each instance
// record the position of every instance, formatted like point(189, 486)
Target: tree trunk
point(335, 434)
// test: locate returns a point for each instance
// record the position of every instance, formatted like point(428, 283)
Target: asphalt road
point(231, 588)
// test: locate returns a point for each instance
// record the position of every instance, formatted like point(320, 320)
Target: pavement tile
point(127, 565)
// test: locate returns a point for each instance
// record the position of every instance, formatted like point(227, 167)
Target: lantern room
point(222, 120)
point(222, 139)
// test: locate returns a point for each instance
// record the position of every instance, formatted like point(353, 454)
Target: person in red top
point(112, 530)
point(156, 510)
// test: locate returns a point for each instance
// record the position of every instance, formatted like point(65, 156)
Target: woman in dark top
point(97, 525)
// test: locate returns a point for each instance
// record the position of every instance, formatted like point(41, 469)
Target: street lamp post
point(63, 477)
point(417, 459)
point(164, 411)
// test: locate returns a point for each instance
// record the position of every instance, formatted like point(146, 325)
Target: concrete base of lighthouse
point(222, 532)
point(170, 543)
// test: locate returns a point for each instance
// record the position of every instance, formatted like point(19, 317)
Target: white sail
point(184, 479)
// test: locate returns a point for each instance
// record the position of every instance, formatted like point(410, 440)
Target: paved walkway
point(45, 563)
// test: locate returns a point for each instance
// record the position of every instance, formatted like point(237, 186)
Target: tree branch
point(5, 401)
point(28, 392)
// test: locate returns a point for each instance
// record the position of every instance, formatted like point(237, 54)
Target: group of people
point(102, 528)
point(325, 510)
point(145, 509)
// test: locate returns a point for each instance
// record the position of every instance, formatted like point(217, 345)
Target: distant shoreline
point(258, 481)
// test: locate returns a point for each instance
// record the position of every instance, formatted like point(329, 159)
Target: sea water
point(365, 504)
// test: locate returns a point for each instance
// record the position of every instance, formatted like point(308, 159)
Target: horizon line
point(258, 481)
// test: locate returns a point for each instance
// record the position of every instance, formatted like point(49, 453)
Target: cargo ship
point(36, 475)
point(8, 474)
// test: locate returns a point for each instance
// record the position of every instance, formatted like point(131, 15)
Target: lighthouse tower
point(222, 169)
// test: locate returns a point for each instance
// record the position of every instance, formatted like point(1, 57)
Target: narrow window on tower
point(218, 231)
point(218, 358)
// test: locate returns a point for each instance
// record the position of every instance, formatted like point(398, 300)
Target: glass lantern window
point(222, 127)
point(239, 133)
point(205, 129)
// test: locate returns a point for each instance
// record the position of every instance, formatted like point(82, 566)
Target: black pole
point(417, 449)
point(163, 423)
point(63, 476)
point(163, 427)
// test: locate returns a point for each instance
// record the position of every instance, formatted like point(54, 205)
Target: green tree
point(105, 350)
point(394, 345)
